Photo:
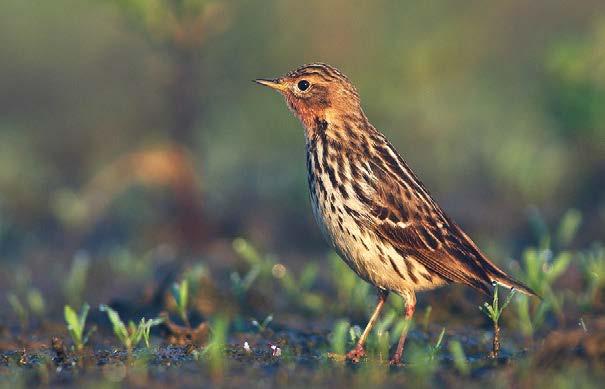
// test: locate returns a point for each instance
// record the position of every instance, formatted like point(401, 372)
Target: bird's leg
point(410, 307)
point(358, 352)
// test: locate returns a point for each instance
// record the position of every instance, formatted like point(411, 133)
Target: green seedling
point(36, 302)
point(386, 332)
point(240, 285)
point(460, 361)
point(351, 291)
point(76, 324)
point(194, 275)
point(263, 325)
point(426, 318)
point(338, 338)
point(299, 290)
point(543, 265)
point(542, 268)
point(434, 350)
point(19, 308)
point(130, 336)
point(262, 266)
point(568, 227)
point(214, 352)
point(380, 339)
point(180, 292)
point(354, 333)
point(253, 258)
point(266, 267)
point(530, 321)
point(145, 328)
point(494, 311)
point(592, 263)
point(124, 262)
point(423, 361)
point(73, 288)
point(25, 300)
point(384, 324)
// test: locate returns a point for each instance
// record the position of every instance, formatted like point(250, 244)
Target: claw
point(396, 360)
point(356, 354)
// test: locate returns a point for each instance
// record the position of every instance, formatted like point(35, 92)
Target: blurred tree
point(179, 28)
point(576, 71)
point(575, 96)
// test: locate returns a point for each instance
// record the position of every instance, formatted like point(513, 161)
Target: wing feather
point(403, 213)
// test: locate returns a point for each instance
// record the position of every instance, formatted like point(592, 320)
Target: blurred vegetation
point(137, 159)
point(134, 122)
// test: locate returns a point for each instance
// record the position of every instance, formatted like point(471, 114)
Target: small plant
point(338, 338)
point(24, 299)
point(250, 254)
point(19, 308)
point(494, 311)
point(180, 292)
point(545, 264)
point(240, 285)
point(263, 325)
point(351, 291)
point(145, 328)
point(423, 361)
point(266, 267)
point(123, 261)
point(132, 335)
point(76, 324)
point(459, 357)
point(592, 263)
point(435, 349)
point(426, 318)
point(299, 290)
point(214, 352)
point(542, 268)
point(530, 321)
point(36, 302)
point(74, 285)
point(354, 333)
point(263, 267)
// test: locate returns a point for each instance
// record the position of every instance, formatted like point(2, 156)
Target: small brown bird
point(370, 205)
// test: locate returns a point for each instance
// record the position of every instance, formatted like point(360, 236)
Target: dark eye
point(303, 85)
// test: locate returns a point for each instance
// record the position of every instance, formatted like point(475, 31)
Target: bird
point(371, 207)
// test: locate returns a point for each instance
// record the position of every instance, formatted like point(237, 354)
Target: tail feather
point(509, 282)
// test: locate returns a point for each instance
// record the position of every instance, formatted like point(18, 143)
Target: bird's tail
point(509, 282)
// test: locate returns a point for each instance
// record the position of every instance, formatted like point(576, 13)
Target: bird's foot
point(356, 354)
point(396, 360)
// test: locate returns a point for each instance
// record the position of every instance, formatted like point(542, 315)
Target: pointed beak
point(276, 84)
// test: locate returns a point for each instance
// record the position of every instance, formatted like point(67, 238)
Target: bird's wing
point(402, 212)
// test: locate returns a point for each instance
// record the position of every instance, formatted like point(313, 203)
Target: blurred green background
point(134, 123)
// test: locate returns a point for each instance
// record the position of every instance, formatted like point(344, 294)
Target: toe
point(395, 361)
point(356, 354)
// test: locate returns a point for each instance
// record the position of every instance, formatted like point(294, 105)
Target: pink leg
point(358, 352)
point(410, 307)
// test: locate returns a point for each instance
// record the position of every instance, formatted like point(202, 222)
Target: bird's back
point(381, 218)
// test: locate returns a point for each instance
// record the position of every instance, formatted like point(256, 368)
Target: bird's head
point(316, 91)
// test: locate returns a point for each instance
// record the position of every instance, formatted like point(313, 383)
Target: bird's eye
point(303, 85)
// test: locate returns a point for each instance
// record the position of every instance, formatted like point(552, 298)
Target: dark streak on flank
point(331, 175)
point(410, 270)
point(396, 268)
point(343, 192)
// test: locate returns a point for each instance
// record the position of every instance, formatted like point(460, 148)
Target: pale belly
point(373, 260)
